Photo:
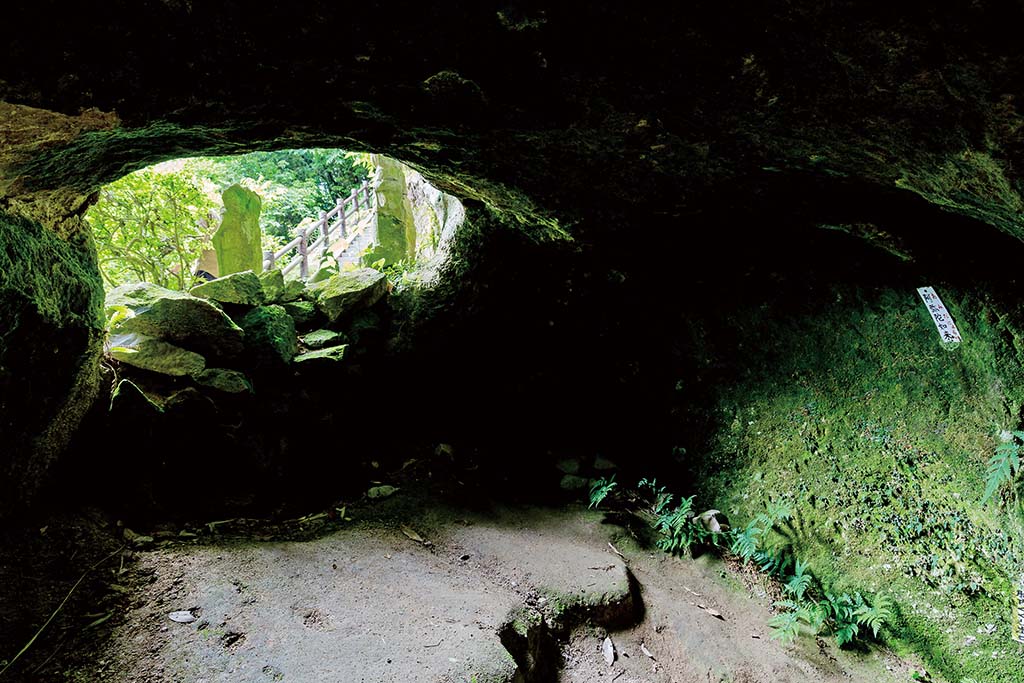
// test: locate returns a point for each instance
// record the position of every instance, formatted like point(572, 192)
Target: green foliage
point(678, 528)
point(115, 316)
point(295, 184)
point(799, 582)
point(875, 616)
point(151, 226)
point(662, 498)
point(786, 625)
point(599, 490)
point(1003, 466)
point(840, 615)
point(748, 543)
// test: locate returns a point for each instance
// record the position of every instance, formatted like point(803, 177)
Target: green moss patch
point(850, 412)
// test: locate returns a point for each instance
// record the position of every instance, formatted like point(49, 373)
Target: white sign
point(943, 320)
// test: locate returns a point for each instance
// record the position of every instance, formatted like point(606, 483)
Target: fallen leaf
point(182, 616)
point(643, 648)
point(713, 612)
point(412, 534)
point(99, 621)
point(608, 650)
point(381, 491)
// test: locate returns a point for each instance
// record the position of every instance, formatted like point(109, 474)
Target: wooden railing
point(343, 222)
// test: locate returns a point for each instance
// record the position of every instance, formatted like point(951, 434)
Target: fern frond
point(785, 626)
point(771, 563)
point(875, 616)
point(1002, 468)
point(846, 633)
point(600, 489)
point(745, 542)
point(799, 582)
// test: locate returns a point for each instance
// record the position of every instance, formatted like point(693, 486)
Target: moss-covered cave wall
point(698, 228)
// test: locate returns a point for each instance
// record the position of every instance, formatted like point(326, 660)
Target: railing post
point(268, 259)
point(304, 264)
point(366, 194)
point(341, 216)
point(325, 231)
point(355, 199)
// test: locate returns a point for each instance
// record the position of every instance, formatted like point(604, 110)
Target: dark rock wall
point(50, 303)
point(636, 132)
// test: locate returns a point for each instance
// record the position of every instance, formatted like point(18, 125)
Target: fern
point(777, 512)
point(798, 584)
point(773, 564)
point(600, 489)
point(1003, 466)
point(662, 498)
point(785, 626)
point(678, 528)
point(875, 616)
point(745, 542)
point(846, 633)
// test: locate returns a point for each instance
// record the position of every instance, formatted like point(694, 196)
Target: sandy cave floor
point(411, 591)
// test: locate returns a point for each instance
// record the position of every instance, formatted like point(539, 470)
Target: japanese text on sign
point(943, 320)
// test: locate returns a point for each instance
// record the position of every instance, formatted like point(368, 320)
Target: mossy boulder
point(273, 285)
point(270, 336)
point(223, 379)
point(293, 291)
point(328, 356)
point(237, 288)
point(304, 312)
point(349, 292)
point(178, 318)
point(148, 353)
point(319, 339)
point(128, 402)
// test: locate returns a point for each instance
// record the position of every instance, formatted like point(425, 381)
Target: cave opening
point(316, 207)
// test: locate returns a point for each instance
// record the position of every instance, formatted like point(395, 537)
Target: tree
point(152, 226)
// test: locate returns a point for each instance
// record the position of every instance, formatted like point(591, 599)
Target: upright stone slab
point(396, 224)
point(238, 241)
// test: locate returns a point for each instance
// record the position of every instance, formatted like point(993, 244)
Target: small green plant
point(115, 316)
point(599, 490)
point(875, 616)
point(678, 527)
point(786, 625)
point(1003, 466)
point(748, 543)
point(840, 615)
point(799, 582)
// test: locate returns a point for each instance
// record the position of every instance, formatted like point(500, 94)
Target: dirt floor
point(410, 590)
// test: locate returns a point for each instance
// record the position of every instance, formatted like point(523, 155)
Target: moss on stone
point(51, 299)
point(239, 239)
point(270, 335)
point(304, 312)
point(237, 288)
